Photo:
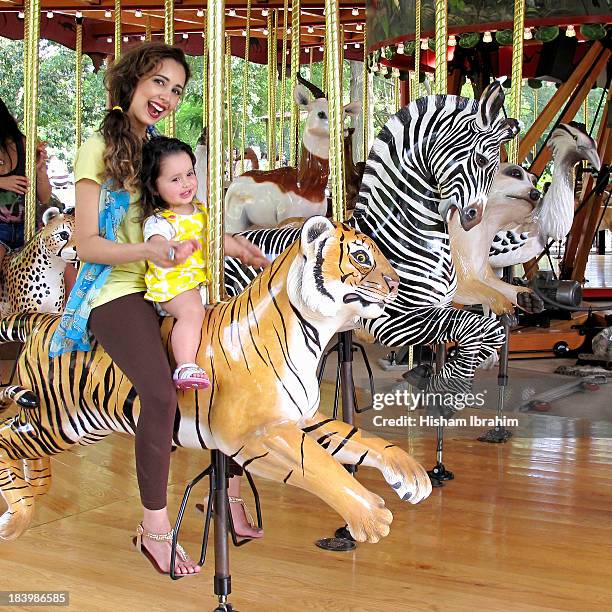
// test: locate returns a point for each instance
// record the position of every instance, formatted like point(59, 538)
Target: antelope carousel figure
point(435, 159)
point(265, 198)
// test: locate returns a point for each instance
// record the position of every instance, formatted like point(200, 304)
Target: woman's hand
point(41, 155)
point(245, 251)
point(169, 253)
point(17, 184)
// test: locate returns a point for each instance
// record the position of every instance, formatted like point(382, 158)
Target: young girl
point(144, 86)
point(171, 212)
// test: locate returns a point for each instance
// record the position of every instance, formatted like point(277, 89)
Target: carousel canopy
point(58, 19)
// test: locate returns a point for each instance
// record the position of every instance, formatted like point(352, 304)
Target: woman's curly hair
point(122, 155)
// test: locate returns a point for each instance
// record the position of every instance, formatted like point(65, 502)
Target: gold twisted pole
point(204, 77)
point(585, 110)
point(534, 150)
point(215, 16)
point(324, 70)
point(245, 85)
point(397, 95)
point(310, 64)
point(170, 123)
point(295, 69)
point(416, 90)
point(31, 112)
point(334, 97)
point(78, 77)
point(117, 29)
point(272, 68)
point(228, 101)
point(517, 73)
point(148, 33)
point(441, 47)
point(26, 81)
point(366, 93)
point(283, 91)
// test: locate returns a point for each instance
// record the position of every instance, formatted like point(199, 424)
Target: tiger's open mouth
point(349, 298)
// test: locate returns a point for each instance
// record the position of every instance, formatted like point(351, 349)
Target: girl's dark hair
point(9, 130)
point(123, 147)
point(153, 152)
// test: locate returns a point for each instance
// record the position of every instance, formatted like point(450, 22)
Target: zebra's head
point(463, 151)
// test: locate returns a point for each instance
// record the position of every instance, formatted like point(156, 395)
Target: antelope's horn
point(314, 90)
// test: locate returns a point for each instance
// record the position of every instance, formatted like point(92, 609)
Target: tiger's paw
point(406, 477)
point(369, 522)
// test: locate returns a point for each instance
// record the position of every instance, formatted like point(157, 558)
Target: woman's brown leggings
point(128, 329)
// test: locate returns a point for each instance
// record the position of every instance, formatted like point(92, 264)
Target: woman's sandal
point(158, 537)
point(245, 508)
point(190, 376)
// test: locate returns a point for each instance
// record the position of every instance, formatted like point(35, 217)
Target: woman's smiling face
point(157, 94)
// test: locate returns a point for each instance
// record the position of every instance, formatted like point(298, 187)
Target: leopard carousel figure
point(271, 337)
point(32, 278)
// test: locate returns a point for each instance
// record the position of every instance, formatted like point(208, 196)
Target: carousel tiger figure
point(269, 337)
point(32, 278)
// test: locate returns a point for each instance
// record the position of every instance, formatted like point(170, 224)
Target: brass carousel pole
point(32, 16)
point(416, 88)
point(334, 97)
point(534, 150)
point(26, 81)
point(228, 98)
point(295, 69)
point(170, 123)
point(366, 93)
point(204, 78)
point(441, 47)
point(272, 68)
point(215, 23)
point(148, 34)
point(283, 91)
point(117, 17)
point(517, 73)
point(245, 85)
point(78, 77)
point(324, 68)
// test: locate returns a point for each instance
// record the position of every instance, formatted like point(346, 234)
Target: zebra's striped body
point(436, 151)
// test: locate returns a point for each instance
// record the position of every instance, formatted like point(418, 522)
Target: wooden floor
point(524, 526)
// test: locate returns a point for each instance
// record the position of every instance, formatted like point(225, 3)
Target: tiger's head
point(57, 235)
point(340, 273)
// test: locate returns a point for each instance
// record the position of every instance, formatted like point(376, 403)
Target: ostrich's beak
point(592, 157)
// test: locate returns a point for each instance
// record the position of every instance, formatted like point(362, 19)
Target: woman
point(13, 182)
point(144, 86)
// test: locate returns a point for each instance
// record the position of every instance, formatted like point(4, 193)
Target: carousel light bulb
point(310, 30)
point(345, 47)
point(452, 41)
point(400, 49)
point(200, 13)
point(570, 31)
point(244, 32)
point(528, 34)
point(21, 15)
point(108, 13)
point(185, 35)
point(355, 12)
point(125, 39)
point(357, 46)
point(78, 15)
point(264, 13)
point(143, 37)
point(424, 44)
point(232, 13)
point(288, 30)
point(265, 31)
point(49, 14)
point(359, 27)
point(109, 40)
point(321, 49)
point(137, 13)
point(487, 37)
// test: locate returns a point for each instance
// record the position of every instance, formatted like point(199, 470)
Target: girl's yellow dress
point(165, 283)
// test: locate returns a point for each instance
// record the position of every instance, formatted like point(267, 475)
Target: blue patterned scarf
point(72, 334)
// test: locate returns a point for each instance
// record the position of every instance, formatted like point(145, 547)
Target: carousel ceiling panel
point(98, 25)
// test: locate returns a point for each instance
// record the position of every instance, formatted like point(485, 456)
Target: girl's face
point(157, 94)
point(177, 183)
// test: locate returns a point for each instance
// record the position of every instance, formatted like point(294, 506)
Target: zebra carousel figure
point(435, 158)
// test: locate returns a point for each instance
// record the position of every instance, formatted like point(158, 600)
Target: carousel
point(420, 247)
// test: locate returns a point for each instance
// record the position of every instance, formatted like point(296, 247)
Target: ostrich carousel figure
point(552, 219)
point(434, 159)
point(265, 198)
